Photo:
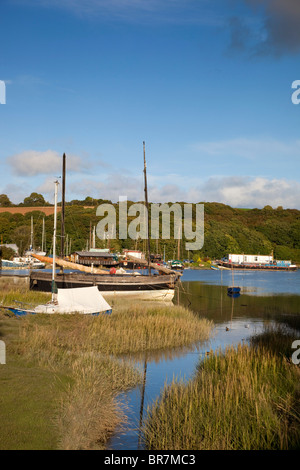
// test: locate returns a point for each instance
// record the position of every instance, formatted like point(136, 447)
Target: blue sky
point(207, 86)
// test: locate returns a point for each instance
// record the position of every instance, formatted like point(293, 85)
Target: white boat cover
point(86, 300)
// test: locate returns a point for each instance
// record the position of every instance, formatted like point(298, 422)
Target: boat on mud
point(156, 282)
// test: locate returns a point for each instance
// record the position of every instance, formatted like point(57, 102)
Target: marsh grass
point(87, 351)
point(278, 338)
point(131, 328)
point(10, 293)
point(243, 399)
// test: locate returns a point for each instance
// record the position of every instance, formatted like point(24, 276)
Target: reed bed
point(243, 399)
point(141, 327)
point(8, 296)
point(88, 352)
point(279, 337)
point(87, 410)
point(131, 328)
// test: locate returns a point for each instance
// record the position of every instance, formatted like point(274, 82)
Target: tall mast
point(90, 235)
point(31, 234)
point(147, 207)
point(53, 287)
point(43, 235)
point(63, 192)
point(94, 237)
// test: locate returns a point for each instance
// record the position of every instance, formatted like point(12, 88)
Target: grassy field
point(63, 372)
point(247, 398)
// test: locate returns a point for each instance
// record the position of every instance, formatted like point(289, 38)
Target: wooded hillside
point(249, 231)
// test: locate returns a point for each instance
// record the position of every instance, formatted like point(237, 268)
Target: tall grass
point(87, 410)
point(88, 351)
point(243, 399)
point(278, 337)
point(131, 328)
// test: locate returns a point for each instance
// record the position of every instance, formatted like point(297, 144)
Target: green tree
point(35, 199)
point(21, 237)
point(5, 201)
point(7, 253)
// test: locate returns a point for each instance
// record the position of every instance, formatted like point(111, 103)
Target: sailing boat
point(159, 285)
point(85, 300)
point(28, 259)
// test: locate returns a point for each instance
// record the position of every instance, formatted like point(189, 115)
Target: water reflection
point(213, 303)
point(256, 282)
point(140, 439)
point(236, 321)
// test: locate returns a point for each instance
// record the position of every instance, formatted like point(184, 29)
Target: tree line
point(38, 200)
point(227, 230)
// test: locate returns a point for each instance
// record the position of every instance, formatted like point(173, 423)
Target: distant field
point(48, 210)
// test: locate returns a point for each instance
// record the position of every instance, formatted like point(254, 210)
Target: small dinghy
point(233, 290)
point(84, 300)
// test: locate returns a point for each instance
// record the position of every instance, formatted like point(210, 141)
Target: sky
point(207, 85)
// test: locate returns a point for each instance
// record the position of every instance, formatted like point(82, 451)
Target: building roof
point(94, 254)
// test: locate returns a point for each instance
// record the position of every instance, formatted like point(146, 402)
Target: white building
point(135, 253)
point(250, 259)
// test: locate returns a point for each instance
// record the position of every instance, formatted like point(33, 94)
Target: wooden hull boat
point(154, 286)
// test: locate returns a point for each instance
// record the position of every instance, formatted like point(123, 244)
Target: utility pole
point(43, 235)
point(31, 235)
point(147, 208)
point(63, 192)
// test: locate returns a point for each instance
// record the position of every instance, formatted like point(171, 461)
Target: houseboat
point(266, 262)
point(95, 257)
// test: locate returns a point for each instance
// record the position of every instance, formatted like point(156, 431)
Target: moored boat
point(256, 262)
point(84, 300)
point(22, 262)
point(233, 290)
point(154, 286)
point(177, 264)
point(158, 285)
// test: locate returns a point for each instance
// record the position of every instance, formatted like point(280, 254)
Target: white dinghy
point(86, 300)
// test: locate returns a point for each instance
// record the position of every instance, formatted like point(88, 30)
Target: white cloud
point(33, 162)
point(252, 192)
point(236, 191)
point(15, 192)
point(113, 186)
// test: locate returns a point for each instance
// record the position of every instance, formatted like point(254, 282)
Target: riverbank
point(63, 372)
point(245, 398)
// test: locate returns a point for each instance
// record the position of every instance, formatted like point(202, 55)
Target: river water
point(265, 297)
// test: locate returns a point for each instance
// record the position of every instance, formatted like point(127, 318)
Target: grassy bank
point(244, 399)
point(63, 372)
